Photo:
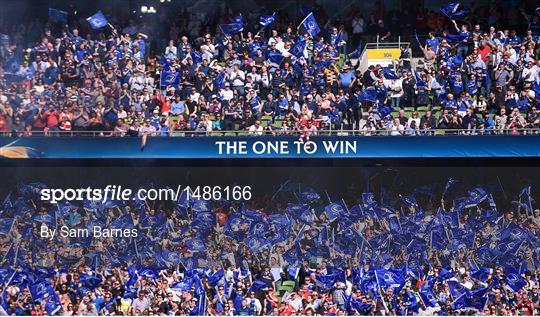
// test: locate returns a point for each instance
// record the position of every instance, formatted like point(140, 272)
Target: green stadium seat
point(289, 283)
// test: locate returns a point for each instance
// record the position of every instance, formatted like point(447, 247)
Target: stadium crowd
point(479, 72)
point(295, 253)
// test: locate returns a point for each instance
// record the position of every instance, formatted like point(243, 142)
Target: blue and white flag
point(231, 28)
point(48, 218)
point(170, 79)
point(526, 200)
point(44, 293)
point(275, 57)
point(428, 298)
point(453, 11)
point(482, 274)
point(298, 48)
point(98, 20)
point(335, 210)
point(31, 190)
point(476, 196)
point(267, 19)
point(328, 280)
point(337, 40)
point(309, 196)
point(387, 279)
point(389, 73)
point(57, 15)
point(5, 225)
point(514, 280)
point(310, 24)
point(457, 289)
point(368, 94)
point(90, 281)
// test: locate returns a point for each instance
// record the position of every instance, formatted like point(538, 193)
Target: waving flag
point(453, 11)
point(335, 210)
point(231, 28)
point(428, 298)
point(386, 279)
point(275, 57)
point(267, 19)
point(5, 225)
point(526, 200)
point(31, 190)
point(389, 74)
point(98, 20)
point(514, 280)
point(170, 79)
point(476, 196)
point(368, 94)
point(328, 280)
point(310, 24)
point(298, 48)
point(89, 281)
point(44, 293)
point(48, 218)
point(476, 300)
point(309, 196)
point(482, 274)
point(457, 289)
point(57, 15)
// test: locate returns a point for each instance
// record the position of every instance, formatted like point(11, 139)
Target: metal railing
point(296, 133)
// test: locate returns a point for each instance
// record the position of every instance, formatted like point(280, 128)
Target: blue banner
point(280, 147)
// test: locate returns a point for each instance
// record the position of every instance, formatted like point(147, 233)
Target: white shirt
point(227, 94)
point(254, 130)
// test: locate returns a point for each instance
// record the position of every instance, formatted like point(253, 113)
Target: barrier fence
point(343, 132)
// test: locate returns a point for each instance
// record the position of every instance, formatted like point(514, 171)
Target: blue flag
point(335, 210)
point(427, 297)
point(328, 280)
point(196, 56)
point(526, 200)
point(257, 286)
point(231, 28)
point(170, 79)
point(453, 11)
point(482, 274)
point(275, 57)
point(368, 94)
point(184, 285)
point(389, 73)
point(98, 20)
point(312, 28)
point(476, 196)
point(216, 277)
point(31, 190)
point(457, 289)
point(89, 281)
point(476, 300)
point(44, 293)
point(308, 195)
point(298, 48)
point(57, 15)
point(48, 218)
point(5, 225)
point(514, 280)
point(387, 279)
point(267, 19)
